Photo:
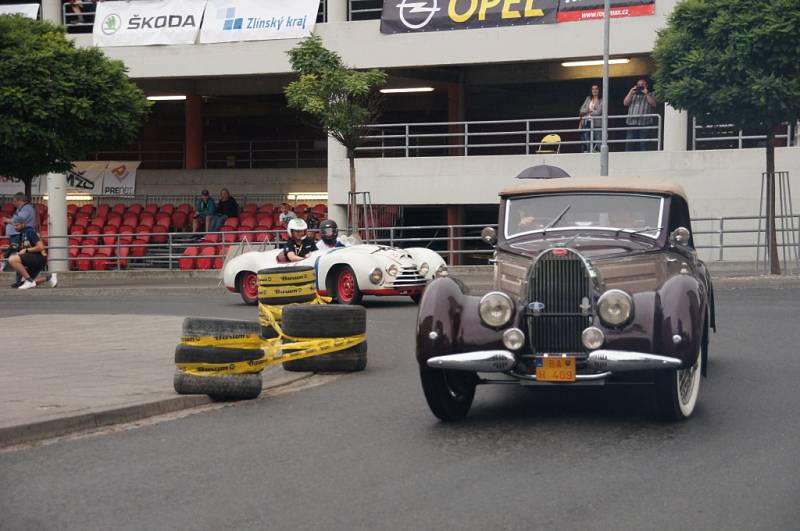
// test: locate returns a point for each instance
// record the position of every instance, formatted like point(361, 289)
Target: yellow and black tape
point(265, 292)
point(287, 278)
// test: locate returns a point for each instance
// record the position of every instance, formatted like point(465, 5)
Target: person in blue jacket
point(205, 211)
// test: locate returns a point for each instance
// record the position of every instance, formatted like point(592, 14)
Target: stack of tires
point(291, 287)
point(218, 386)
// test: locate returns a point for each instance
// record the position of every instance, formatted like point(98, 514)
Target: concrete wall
point(363, 46)
point(256, 181)
point(719, 183)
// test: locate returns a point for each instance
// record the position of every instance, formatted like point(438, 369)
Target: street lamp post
point(606, 31)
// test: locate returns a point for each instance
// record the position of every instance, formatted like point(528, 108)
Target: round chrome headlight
point(424, 268)
point(513, 339)
point(496, 309)
point(375, 276)
point(392, 269)
point(441, 271)
point(593, 338)
point(615, 307)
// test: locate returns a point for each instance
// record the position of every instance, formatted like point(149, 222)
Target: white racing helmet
point(296, 224)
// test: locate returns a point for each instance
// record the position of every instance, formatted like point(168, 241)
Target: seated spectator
point(30, 260)
point(227, 207)
point(287, 214)
point(25, 214)
point(312, 220)
point(204, 210)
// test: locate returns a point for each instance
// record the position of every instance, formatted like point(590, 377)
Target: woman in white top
point(591, 114)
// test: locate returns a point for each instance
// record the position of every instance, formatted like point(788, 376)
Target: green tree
point(342, 100)
point(58, 103)
point(734, 61)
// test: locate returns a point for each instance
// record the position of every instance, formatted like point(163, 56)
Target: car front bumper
point(602, 363)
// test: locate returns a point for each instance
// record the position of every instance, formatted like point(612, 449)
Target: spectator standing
point(639, 102)
point(591, 113)
point(204, 210)
point(227, 207)
point(30, 260)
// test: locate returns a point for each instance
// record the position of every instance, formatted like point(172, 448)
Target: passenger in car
point(300, 244)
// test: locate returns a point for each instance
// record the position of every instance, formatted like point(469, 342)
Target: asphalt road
point(364, 452)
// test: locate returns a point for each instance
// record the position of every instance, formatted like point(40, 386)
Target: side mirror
point(489, 235)
point(680, 236)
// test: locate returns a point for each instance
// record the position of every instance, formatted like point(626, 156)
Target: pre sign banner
point(102, 178)
point(407, 16)
point(26, 10)
point(146, 22)
point(576, 10)
point(258, 20)
point(119, 178)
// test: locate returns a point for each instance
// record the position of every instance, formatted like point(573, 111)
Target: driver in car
point(300, 244)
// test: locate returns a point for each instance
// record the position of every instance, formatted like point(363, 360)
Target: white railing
point(728, 136)
point(503, 137)
point(266, 154)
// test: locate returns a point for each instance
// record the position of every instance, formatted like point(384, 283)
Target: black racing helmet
point(329, 231)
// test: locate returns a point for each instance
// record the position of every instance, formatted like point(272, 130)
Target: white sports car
point(345, 273)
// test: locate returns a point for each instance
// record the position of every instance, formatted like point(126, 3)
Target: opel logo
point(414, 8)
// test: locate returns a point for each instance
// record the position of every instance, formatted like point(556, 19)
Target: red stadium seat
point(187, 260)
point(98, 221)
point(180, 220)
point(165, 220)
point(147, 219)
point(267, 208)
point(160, 232)
point(77, 230)
point(167, 208)
point(72, 209)
point(262, 236)
point(126, 229)
point(231, 222)
point(86, 209)
point(210, 238)
point(123, 252)
point(102, 265)
point(139, 246)
point(250, 207)
point(113, 221)
point(135, 208)
point(119, 208)
point(185, 208)
point(109, 235)
point(227, 234)
point(206, 258)
point(152, 208)
point(130, 219)
point(102, 210)
point(94, 230)
point(264, 220)
point(218, 261)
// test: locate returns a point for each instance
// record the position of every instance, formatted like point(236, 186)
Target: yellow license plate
point(555, 369)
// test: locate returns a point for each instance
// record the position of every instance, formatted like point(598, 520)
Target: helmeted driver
point(299, 244)
point(329, 232)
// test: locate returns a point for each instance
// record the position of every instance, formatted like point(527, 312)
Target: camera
point(638, 90)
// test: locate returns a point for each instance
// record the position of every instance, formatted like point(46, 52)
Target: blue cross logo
point(231, 22)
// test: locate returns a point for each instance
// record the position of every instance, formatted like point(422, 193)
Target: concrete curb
point(48, 429)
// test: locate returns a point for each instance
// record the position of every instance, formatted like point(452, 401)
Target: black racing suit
point(301, 248)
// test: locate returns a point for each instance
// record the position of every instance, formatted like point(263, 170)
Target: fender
point(453, 315)
point(680, 310)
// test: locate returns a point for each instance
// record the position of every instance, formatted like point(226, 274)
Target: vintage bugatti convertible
point(345, 273)
point(596, 281)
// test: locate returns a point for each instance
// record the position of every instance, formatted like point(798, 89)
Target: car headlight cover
point(375, 276)
point(593, 338)
point(424, 268)
point(392, 269)
point(441, 271)
point(496, 309)
point(615, 307)
point(513, 339)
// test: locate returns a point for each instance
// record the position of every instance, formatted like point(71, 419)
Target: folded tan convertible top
point(595, 184)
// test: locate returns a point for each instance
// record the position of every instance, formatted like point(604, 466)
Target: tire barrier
point(224, 358)
point(287, 285)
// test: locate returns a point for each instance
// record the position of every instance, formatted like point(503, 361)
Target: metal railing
point(153, 155)
point(502, 137)
point(715, 235)
point(728, 136)
point(364, 9)
point(266, 154)
point(78, 21)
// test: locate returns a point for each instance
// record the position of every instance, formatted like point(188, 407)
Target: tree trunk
point(772, 238)
point(28, 182)
point(353, 221)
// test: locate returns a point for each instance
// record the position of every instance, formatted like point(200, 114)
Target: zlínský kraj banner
point(575, 10)
point(145, 22)
point(409, 16)
point(26, 10)
point(258, 20)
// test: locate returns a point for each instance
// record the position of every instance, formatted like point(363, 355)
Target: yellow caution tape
point(291, 277)
point(275, 349)
point(265, 292)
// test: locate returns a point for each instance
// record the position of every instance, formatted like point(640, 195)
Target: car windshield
point(629, 212)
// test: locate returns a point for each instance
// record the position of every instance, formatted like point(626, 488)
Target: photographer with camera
point(640, 103)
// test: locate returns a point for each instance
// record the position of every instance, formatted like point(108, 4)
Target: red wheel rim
point(346, 286)
point(250, 286)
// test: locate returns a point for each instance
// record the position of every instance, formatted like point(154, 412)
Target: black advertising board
point(575, 10)
point(411, 16)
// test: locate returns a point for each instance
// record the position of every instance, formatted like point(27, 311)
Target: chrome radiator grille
point(559, 309)
point(409, 276)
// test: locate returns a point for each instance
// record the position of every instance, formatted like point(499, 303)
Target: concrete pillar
point(337, 10)
point(51, 11)
point(676, 126)
point(57, 222)
point(194, 132)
